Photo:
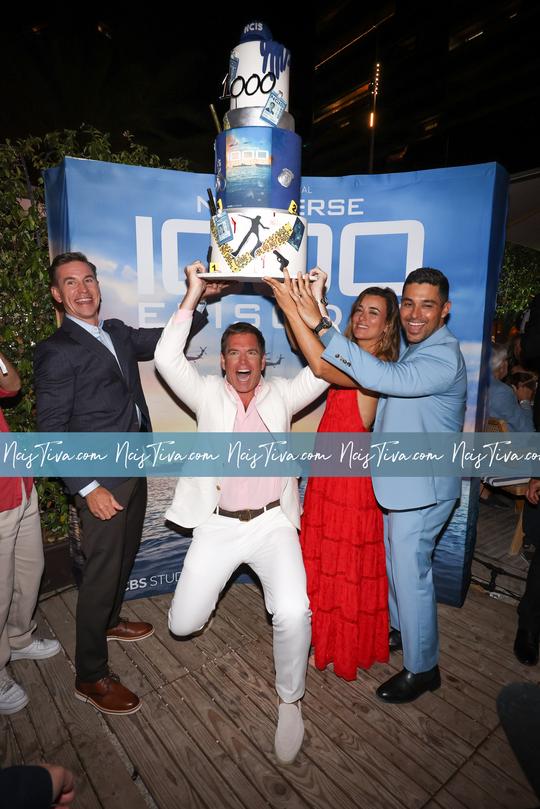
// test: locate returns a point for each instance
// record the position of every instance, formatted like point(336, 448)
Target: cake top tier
point(257, 66)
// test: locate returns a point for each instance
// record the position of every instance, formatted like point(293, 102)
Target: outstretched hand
point(283, 293)
point(199, 288)
point(317, 279)
point(299, 290)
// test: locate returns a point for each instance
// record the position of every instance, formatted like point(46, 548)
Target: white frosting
point(270, 231)
point(252, 62)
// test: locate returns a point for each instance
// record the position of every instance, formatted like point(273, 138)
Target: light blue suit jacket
point(424, 392)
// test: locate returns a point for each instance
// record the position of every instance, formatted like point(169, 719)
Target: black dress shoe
point(394, 640)
point(406, 686)
point(526, 647)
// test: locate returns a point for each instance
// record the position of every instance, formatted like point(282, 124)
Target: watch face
point(325, 323)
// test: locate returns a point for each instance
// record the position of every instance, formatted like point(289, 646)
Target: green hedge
point(27, 315)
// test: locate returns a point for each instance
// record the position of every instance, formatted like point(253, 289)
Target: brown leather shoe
point(108, 695)
point(128, 631)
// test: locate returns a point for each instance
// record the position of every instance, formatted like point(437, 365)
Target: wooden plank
point(430, 717)
point(23, 727)
point(85, 797)
point(237, 742)
point(159, 665)
point(209, 642)
point(107, 773)
point(494, 672)
point(499, 753)
point(185, 652)
point(427, 765)
point(444, 800)
point(215, 735)
point(473, 796)
point(358, 741)
point(258, 716)
point(337, 702)
point(481, 607)
point(502, 788)
point(227, 628)
point(50, 730)
point(459, 692)
point(10, 753)
point(475, 640)
point(347, 752)
point(86, 731)
point(153, 762)
point(197, 766)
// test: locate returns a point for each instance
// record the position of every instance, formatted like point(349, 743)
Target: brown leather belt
point(246, 514)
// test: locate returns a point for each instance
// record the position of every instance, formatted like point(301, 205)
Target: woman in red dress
point(342, 528)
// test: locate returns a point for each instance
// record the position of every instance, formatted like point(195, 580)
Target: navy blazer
point(81, 388)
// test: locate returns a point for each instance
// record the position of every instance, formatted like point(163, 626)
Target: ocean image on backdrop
point(159, 562)
point(161, 556)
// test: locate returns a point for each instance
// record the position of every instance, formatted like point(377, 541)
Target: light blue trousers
point(410, 538)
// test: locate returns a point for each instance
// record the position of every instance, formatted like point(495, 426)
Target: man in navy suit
point(87, 380)
point(423, 392)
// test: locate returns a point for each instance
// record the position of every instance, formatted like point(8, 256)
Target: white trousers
point(269, 545)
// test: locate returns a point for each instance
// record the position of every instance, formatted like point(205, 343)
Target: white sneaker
point(12, 697)
point(289, 733)
point(39, 649)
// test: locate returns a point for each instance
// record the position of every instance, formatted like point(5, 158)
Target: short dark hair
point(67, 258)
point(242, 328)
point(429, 275)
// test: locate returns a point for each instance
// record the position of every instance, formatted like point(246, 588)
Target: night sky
point(152, 74)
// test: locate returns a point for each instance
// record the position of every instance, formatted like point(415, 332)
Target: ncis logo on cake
point(255, 30)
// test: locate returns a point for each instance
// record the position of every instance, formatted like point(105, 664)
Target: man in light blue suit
point(424, 392)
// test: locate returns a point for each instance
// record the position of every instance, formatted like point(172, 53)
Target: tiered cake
point(256, 230)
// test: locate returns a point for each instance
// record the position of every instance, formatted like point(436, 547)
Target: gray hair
point(499, 353)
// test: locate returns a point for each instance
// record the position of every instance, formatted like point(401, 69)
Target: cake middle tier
point(258, 166)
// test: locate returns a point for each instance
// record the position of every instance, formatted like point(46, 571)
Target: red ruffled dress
point(343, 549)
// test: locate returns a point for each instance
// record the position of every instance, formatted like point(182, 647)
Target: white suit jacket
point(215, 410)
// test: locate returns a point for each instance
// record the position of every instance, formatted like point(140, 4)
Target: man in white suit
point(242, 520)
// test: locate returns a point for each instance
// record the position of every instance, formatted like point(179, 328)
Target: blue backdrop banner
point(141, 226)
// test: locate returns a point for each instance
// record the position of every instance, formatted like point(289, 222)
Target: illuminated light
point(474, 36)
point(353, 41)
point(371, 120)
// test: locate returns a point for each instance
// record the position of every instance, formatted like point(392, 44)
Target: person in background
point(513, 405)
point(21, 568)
point(528, 632)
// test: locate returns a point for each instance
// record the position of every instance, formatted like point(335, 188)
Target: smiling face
point(368, 321)
point(77, 289)
point(243, 363)
point(422, 311)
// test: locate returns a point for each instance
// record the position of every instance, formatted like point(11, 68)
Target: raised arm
point(289, 297)
point(180, 374)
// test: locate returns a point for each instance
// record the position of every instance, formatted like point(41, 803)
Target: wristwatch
point(324, 323)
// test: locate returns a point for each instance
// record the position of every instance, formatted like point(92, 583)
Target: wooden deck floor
point(204, 736)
